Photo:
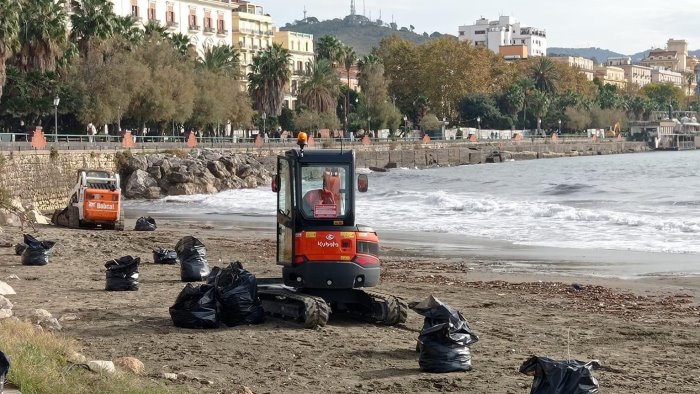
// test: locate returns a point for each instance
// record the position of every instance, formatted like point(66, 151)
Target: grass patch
point(179, 153)
point(53, 153)
point(121, 159)
point(39, 364)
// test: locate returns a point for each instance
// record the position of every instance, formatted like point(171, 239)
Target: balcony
point(194, 29)
point(172, 25)
point(221, 32)
point(154, 21)
point(209, 30)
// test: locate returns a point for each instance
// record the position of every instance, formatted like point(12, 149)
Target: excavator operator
point(323, 196)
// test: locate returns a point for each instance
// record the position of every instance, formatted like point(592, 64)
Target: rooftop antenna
point(364, 9)
point(304, 12)
point(352, 9)
point(380, 14)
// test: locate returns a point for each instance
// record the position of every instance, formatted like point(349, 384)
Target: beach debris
point(101, 366)
point(170, 376)
point(123, 274)
point(577, 286)
point(68, 317)
point(195, 307)
point(193, 259)
point(5, 308)
point(131, 364)
point(560, 377)
point(237, 296)
point(164, 256)
point(145, 224)
point(37, 252)
point(45, 320)
point(6, 289)
point(13, 276)
point(445, 338)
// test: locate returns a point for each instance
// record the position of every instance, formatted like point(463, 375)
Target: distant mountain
point(358, 32)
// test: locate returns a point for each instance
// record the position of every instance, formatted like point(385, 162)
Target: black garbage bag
point(4, 369)
point(123, 274)
point(193, 259)
point(237, 293)
point(37, 252)
point(560, 377)
point(145, 224)
point(164, 256)
point(195, 307)
point(445, 338)
point(19, 248)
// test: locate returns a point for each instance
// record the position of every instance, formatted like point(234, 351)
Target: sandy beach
point(645, 332)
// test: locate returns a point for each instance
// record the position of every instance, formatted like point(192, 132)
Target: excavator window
point(324, 190)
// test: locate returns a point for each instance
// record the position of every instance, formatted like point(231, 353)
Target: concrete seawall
point(45, 179)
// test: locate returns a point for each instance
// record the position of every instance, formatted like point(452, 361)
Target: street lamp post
point(559, 128)
point(405, 126)
point(444, 126)
point(369, 125)
point(264, 118)
point(478, 125)
point(56, 101)
point(539, 123)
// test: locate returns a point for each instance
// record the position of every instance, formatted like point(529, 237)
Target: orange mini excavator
point(94, 201)
point(328, 261)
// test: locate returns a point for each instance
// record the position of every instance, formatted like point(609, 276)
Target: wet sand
point(644, 331)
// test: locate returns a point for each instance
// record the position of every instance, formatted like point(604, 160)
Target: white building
point(659, 75)
point(585, 66)
point(504, 32)
point(206, 22)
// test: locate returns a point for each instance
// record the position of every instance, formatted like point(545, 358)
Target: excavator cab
point(94, 201)
point(325, 256)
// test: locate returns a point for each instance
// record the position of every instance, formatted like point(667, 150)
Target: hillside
point(360, 33)
point(601, 55)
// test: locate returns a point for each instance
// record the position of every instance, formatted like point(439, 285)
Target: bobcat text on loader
point(327, 260)
point(94, 201)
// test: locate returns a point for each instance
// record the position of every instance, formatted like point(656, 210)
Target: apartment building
point(253, 31)
point(636, 74)
point(611, 75)
point(585, 66)
point(301, 48)
point(661, 75)
point(674, 57)
point(206, 22)
point(505, 31)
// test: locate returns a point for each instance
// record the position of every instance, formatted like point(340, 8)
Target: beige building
point(660, 75)
point(252, 32)
point(637, 75)
point(301, 47)
point(585, 66)
point(206, 22)
point(611, 75)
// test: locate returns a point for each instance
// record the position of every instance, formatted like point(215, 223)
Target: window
point(480, 32)
point(170, 14)
point(135, 11)
point(324, 190)
point(461, 33)
point(151, 11)
point(221, 26)
point(285, 205)
point(307, 47)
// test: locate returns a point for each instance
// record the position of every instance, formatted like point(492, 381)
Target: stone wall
point(44, 180)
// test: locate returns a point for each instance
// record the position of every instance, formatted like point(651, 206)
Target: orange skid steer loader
point(94, 201)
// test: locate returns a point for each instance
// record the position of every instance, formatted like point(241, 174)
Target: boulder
point(218, 169)
point(170, 376)
point(155, 172)
point(138, 184)
point(182, 189)
point(35, 216)
point(134, 163)
point(100, 366)
point(5, 303)
point(131, 364)
point(6, 289)
point(165, 167)
point(43, 318)
point(179, 175)
point(5, 313)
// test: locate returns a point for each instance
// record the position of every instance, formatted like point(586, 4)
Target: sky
point(624, 26)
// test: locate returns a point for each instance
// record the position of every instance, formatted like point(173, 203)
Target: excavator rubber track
point(288, 303)
point(383, 308)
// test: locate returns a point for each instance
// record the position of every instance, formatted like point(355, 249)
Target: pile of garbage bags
point(145, 224)
point(229, 297)
point(36, 252)
point(164, 256)
point(123, 274)
point(560, 377)
point(4, 369)
point(193, 259)
point(445, 338)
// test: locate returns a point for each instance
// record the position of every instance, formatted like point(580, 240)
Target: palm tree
point(91, 18)
point(43, 35)
point(329, 48)
point(125, 26)
point(349, 59)
point(9, 33)
point(545, 75)
point(155, 29)
point(320, 91)
point(270, 73)
point(181, 42)
point(220, 59)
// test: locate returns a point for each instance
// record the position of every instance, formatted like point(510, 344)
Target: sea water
point(642, 202)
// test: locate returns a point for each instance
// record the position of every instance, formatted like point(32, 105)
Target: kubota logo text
point(325, 244)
